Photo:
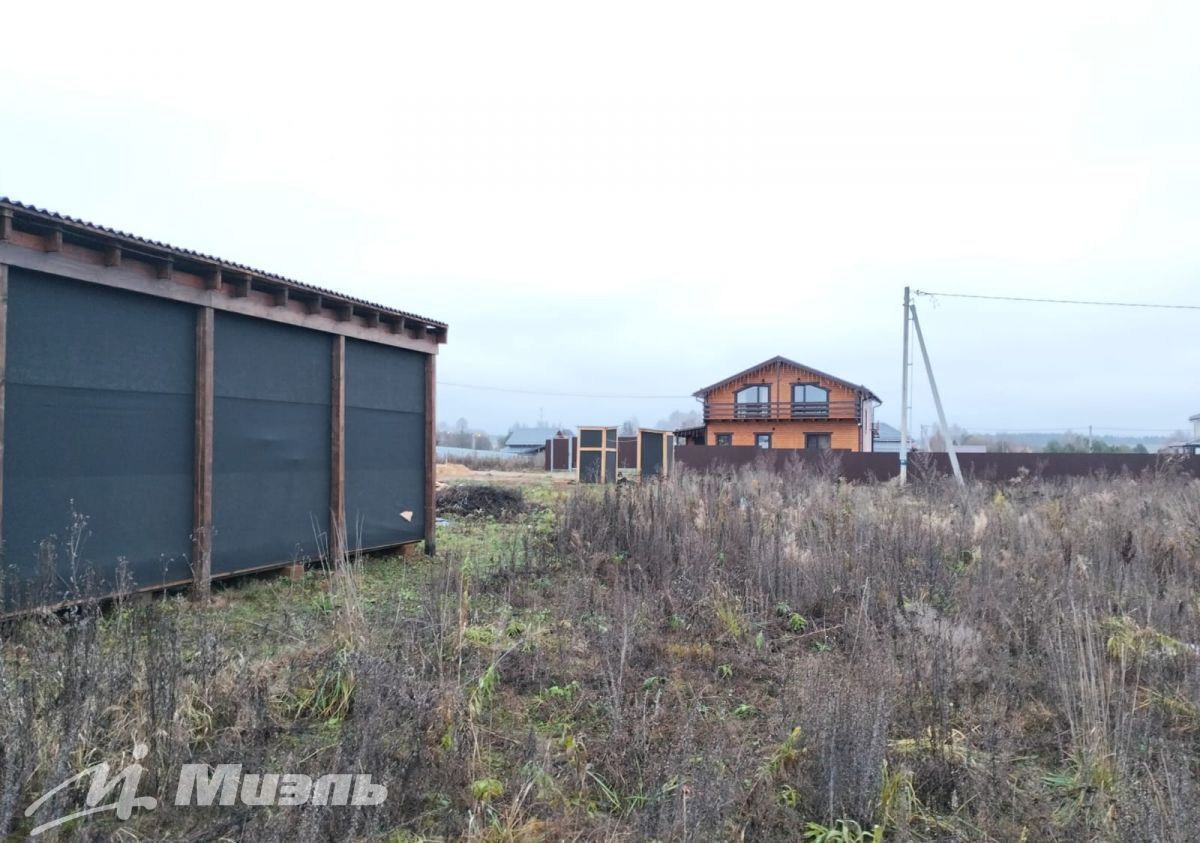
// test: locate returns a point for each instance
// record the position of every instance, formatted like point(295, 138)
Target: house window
point(753, 402)
point(762, 440)
point(724, 438)
point(818, 441)
point(809, 399)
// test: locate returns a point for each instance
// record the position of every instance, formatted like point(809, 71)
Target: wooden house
point(784, 404)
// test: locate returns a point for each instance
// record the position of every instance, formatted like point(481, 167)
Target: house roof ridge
point(779, 358)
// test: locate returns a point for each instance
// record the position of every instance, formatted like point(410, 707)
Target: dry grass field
point(754, 658)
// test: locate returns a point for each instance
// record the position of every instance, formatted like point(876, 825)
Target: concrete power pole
point(937, 401)
point(904, 398)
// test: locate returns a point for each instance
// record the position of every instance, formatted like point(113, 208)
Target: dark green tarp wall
point(99, 417)
point(385, 445)
point(271, 432)
point(100, 431)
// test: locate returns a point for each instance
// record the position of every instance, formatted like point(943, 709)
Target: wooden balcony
point(781, 410)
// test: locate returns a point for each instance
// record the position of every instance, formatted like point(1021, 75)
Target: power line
point(1060, 429)
point(557, 394)
point(1060, 301)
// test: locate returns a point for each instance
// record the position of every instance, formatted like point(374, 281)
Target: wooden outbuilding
point(168, 417)
point(655, 452)
point(597, 450)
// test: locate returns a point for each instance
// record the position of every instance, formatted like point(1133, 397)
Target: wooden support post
point(904, 391)
point(112, 256)
point(3, 386)
point(6, 217)
point(281, 297)
point(315, 304)
point(202, 515)
point(166, 269)
point(430, 453)
point(213, 280)
point(53, 241)
point(337, 451)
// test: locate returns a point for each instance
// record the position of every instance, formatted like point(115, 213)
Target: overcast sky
point(640, 199)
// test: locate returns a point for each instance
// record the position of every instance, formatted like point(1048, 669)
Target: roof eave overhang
point(57, 229)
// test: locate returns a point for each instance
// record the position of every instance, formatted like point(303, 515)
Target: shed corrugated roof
point(83, 226)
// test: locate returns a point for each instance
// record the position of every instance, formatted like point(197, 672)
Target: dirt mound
point(452, 469)
point(496, 501)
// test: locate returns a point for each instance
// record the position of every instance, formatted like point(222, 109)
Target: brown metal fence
point(989, 467)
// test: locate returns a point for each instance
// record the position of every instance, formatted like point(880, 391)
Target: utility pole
point(937, 401)
point(904, 398)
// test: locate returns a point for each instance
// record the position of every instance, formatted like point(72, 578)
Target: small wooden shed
point(655, 452)
point(597, 455)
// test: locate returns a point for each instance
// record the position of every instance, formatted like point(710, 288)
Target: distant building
point(1192, 446)
point(784, 404)
point(886, 439)
point(531, 440)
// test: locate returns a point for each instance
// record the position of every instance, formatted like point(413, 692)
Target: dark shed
point(168, 417)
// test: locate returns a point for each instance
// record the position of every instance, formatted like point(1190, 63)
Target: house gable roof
point(777, 359)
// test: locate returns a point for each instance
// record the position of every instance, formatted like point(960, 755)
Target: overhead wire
point(1032, 299)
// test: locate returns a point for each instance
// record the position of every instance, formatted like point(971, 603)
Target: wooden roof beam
point(240, 288)
point(281, 296)
point(166, 269)
point(6, 217)
point(112, 256)
point(315, 304)
point(53, 240)
point(212, 281)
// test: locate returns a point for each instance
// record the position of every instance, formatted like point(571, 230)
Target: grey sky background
point(640, 199)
